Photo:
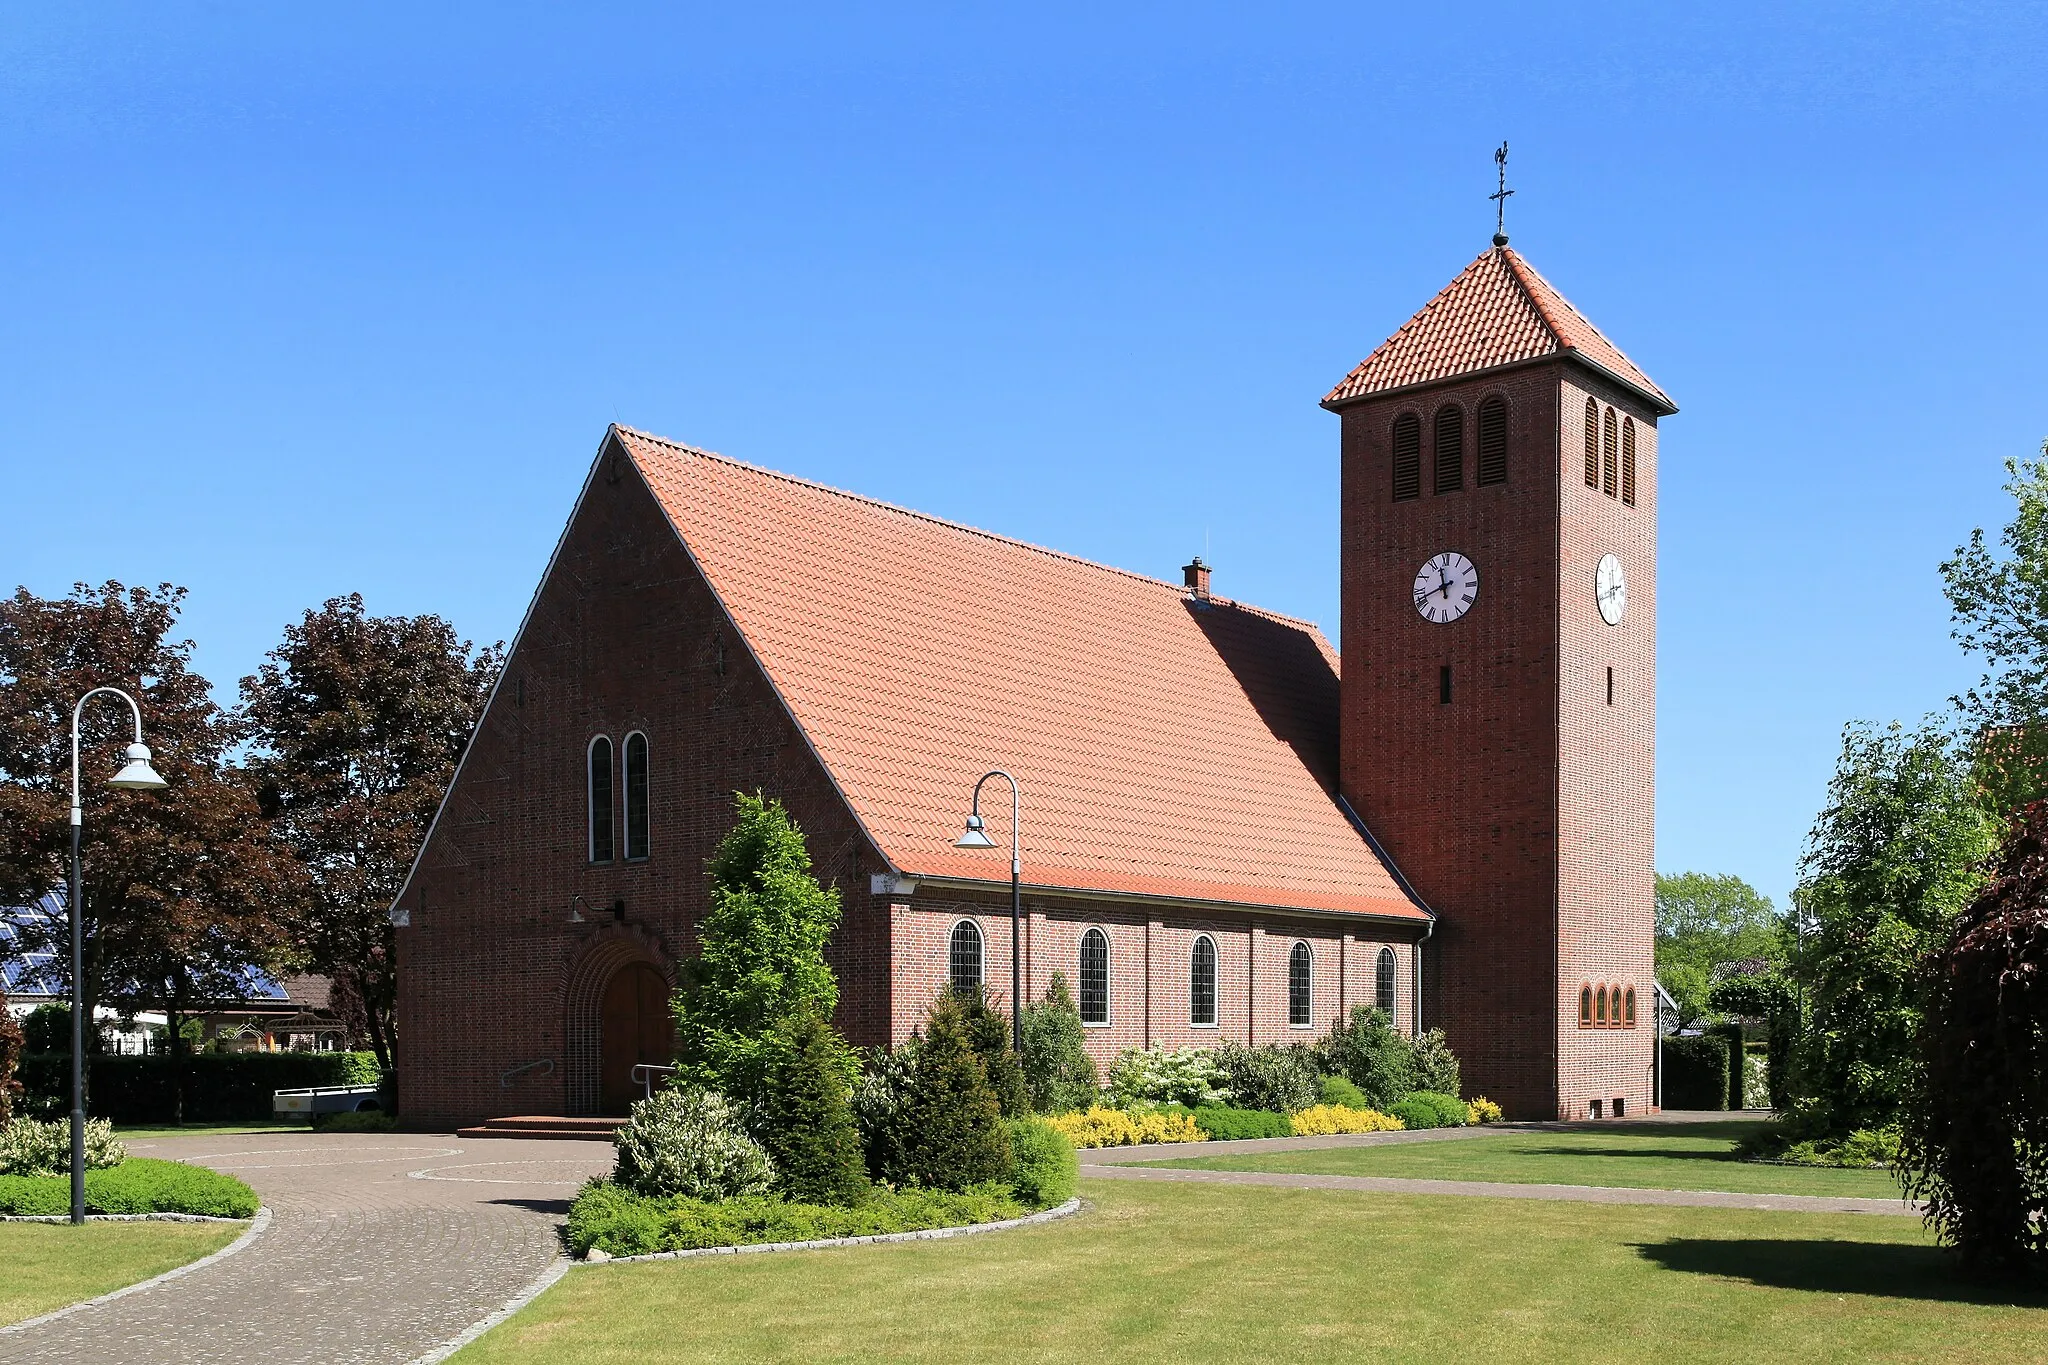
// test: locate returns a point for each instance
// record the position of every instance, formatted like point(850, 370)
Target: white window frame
point(1309, 1022)
point(1080, 977)
point(980, 952)
point(1215, 983)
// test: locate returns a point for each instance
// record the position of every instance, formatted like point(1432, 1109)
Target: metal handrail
point(643, 1072)
point(547, 1063)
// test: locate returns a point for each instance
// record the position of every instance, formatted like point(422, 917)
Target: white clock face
point(1446, 587)
point(1610, 589)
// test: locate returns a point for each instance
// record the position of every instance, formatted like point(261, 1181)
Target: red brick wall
point(624, 635)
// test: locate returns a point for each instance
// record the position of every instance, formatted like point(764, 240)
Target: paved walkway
point(381, 1247)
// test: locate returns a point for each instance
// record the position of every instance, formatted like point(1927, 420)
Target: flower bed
point(137, 1185)
point(1105, 1127)
point(617, 1221)
point(1323, 1119)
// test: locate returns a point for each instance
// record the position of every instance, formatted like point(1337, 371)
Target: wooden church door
point(634, 1027)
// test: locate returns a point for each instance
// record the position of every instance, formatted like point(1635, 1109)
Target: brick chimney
point(1196, 576)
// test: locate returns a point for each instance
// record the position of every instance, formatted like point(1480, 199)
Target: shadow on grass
point(1661, 1153)
point(1893, 1270)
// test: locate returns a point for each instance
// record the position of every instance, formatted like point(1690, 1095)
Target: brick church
point(1227, 833)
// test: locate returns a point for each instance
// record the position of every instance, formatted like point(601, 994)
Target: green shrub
point(1236, 1125)
point(138, 1185)
point(1367, 1051)
point(944, 1128)
point(689, 1142)
point(1436, 1066)
point(29, 1147)
point(1414, 1113)
point(216, 1087)
point(358, 1121)
point(1059, 1075)
point(1044, 1169)
point(988, 1033)
point(1277, 1077)
point(1450, 1111)
point(625, 1224)
point(1162, 1075)
point(805, 1122)
point(1695, 1073)
point(1338, 1091)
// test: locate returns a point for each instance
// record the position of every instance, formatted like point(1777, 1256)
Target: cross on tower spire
point(1500, 196)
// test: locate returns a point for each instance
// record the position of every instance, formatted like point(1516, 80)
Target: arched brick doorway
point(600, 965)
point(633, 1027)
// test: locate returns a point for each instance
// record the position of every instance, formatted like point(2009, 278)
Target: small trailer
point(325, 1099)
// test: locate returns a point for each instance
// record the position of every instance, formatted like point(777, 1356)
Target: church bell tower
point(1499, 677)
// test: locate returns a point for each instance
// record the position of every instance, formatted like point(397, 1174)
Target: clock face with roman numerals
point(1446, 587)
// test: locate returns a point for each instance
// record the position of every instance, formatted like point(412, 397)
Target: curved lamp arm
point(1016, 811)
point(138, 752)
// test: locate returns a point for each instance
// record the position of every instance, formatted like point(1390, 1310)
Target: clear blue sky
point(301, 303)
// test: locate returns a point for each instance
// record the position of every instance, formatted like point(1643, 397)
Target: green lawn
point(1207, 1273)
point(1688, 1156)
point(50, 1265)
point(211, 1130)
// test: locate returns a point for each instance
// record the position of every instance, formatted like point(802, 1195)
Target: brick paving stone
point(382, 1247)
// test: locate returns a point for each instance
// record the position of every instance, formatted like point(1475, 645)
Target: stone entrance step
point(545, 1126)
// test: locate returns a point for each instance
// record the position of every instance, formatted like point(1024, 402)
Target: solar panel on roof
point(27, 968)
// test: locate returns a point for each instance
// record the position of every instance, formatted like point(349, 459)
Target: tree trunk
point(374, 1022)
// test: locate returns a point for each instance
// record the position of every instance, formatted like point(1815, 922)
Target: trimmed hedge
point(1695, 1073)
point(1433, 1108)
point(1044, 1169)
point(627, 1224)
point(138, 1185)
point(1235, 1125)
point(219, 1087)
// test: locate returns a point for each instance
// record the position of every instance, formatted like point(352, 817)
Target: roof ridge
point(983, 532)
point(1516, 268)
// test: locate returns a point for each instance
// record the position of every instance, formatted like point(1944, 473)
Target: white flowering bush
point(1162, 1075)
point(31, 1148)
point(690, 1142)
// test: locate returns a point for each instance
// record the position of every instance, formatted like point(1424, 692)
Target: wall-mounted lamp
point(576, 907)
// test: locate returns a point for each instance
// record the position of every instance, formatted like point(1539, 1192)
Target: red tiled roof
point(1499, 311)
point(1163, 750)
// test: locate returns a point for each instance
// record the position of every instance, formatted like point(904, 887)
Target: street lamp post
point(977, 837)
point(135, 775)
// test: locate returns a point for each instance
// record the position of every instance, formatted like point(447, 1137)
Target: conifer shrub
point(1059, 1075)
point(1338, 1091)
point(943, 1130)
point(1276, 1077)
point(1220, 1124)
point(805, 1122)
point(1044, 1170)
point(689, 1142)
point(988, 1031)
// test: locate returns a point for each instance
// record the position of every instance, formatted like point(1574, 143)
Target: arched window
point(1628, 460)
point(1095, 977)
point(1585, 1007)
point(1301, 985)
point(1407, 457)
point(1608, 450)
point(636, 796)
point(963, 958)
point(1450, 448)
point(1493, 441)
point(1592, 444)
point(1383, 982)
point(1600, 1007)
point(1628, 1008)
point(600, 787)
point(1202, 981)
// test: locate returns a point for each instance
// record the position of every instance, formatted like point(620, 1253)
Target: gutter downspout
point(1407, 889)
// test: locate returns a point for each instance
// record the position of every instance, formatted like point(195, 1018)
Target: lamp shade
point(975, 837)
point(136, 774)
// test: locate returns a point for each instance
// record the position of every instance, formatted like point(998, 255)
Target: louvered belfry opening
point(1608, 451)
point(1628, 460)
point(1592, 444)
point(1407, 457)
point(1493, 442)
point(1450, 448)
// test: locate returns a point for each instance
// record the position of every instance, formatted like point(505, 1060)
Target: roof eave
point(1652, 397)
point(993, 886)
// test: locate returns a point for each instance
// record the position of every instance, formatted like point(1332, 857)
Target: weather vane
point(1500, 197)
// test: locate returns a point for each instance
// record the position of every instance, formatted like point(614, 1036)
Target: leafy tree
point(11, 1046)
point(945, 1130)
point(1371, 1053)
point(358, 722)
point(806, 1123)
point(1704, 923)
point(185, 889)
point(1771, 997)
point(761, 957)
point(1058, 1072)
point(988, 1030)
point(1890, 861)
point(1975, 1145)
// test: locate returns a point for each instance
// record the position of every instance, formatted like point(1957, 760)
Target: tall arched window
point(1202, 981)
point(1628, 1008)
point(963, 958)
point(1383, 982)
point(1600, 1007)
point(1407, 457)
point(1450, 448)
point(1095, 977)
point(1592, 444)
point(1585, 1007)
point(1609, 448)
point(1628, 460)
point(1493, 441)
point(600, 793)
point(1301, 985)
point(637, 842)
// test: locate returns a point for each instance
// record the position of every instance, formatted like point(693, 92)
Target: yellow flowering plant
point(1322, 1119)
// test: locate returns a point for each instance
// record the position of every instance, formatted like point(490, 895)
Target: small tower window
point(1628, 460)
point(1407, 457)
point(600, 791)
point(1628, 1009)
point(1610, 684)
point(1095, 977)
point(1585, 1007)
point(963, 958)
point(1592, 425)
point(1443, 685)
point(636, 796)
point(1202, 981)
point(1600, 1007)
point(1608, 450)
point(1301, 984)
point(1493, 442)
point(1450, 448)
point(1383, 983)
